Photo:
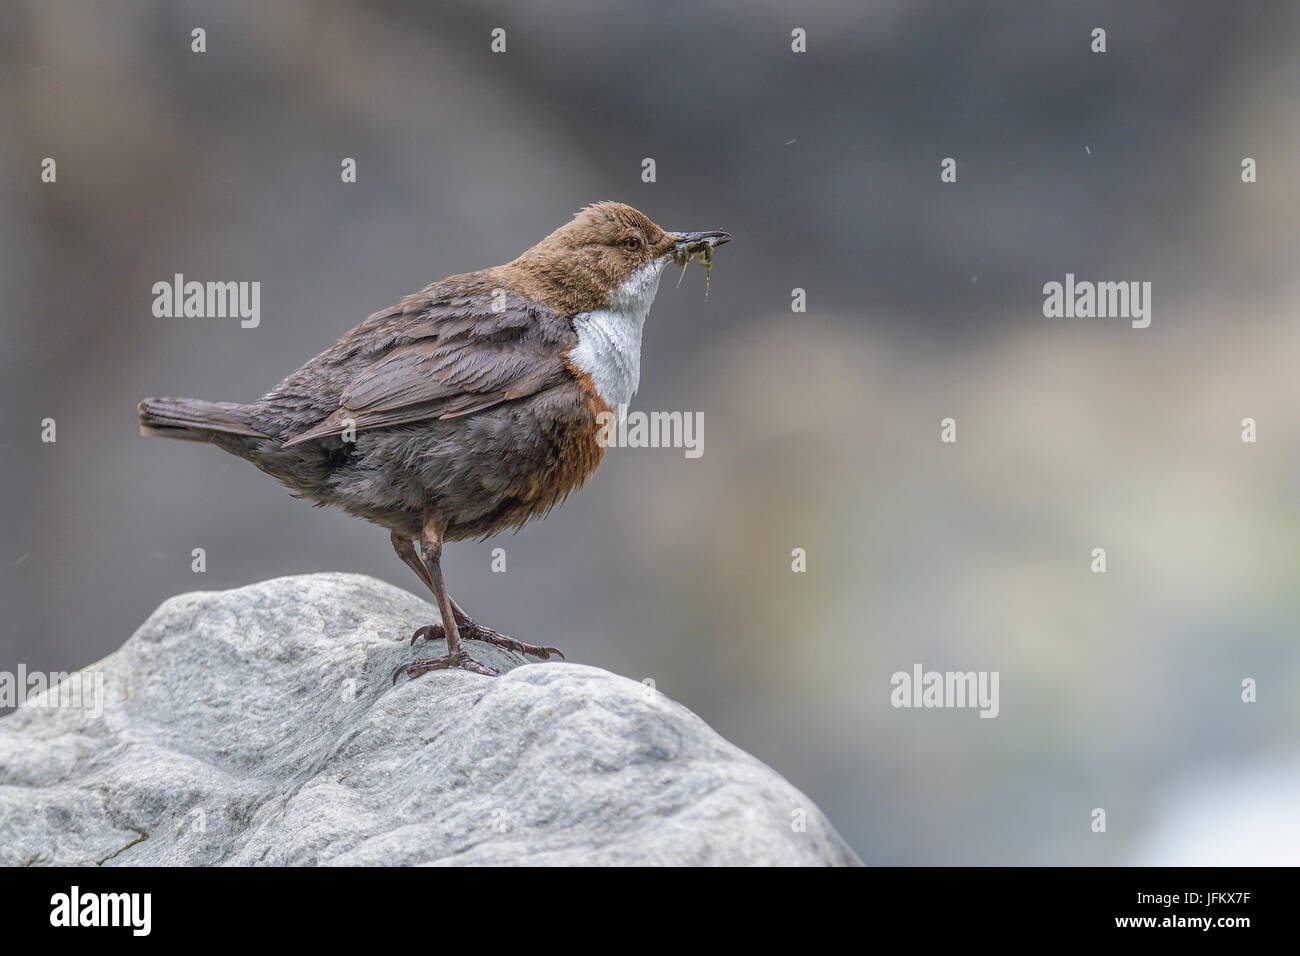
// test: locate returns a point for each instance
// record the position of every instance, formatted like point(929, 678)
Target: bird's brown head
point(603, 252)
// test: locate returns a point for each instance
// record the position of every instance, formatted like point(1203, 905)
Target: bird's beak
point(687, 244)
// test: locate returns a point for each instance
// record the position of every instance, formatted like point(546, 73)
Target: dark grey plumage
point(458, 402)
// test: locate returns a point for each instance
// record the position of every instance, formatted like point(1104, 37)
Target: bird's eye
point(631, 243)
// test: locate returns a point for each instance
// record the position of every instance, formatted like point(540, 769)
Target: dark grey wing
point(463, 357)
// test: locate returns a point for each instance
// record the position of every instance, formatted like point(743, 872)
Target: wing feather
point(464, 356)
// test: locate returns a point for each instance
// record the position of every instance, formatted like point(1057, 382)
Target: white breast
point(609, 339)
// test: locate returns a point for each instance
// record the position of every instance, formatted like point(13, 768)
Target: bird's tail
point(193, 419)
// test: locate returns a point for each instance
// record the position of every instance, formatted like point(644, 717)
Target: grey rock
point(259, 726)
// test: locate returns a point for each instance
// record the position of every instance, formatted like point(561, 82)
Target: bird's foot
point(471, 630)
point(414, 669)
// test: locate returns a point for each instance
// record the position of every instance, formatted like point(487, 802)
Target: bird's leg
point(471, 630)
point(468, 628)
point(431, 545)
point(405, 549)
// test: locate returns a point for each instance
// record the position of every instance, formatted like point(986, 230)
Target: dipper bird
point(467, 408)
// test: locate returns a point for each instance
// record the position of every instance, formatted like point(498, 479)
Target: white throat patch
point(609, 339)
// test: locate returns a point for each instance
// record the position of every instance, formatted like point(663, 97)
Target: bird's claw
point(427, 632)
point(473, 631)
point(415, 668)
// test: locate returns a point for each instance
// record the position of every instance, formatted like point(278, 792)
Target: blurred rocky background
point(1119, 691)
